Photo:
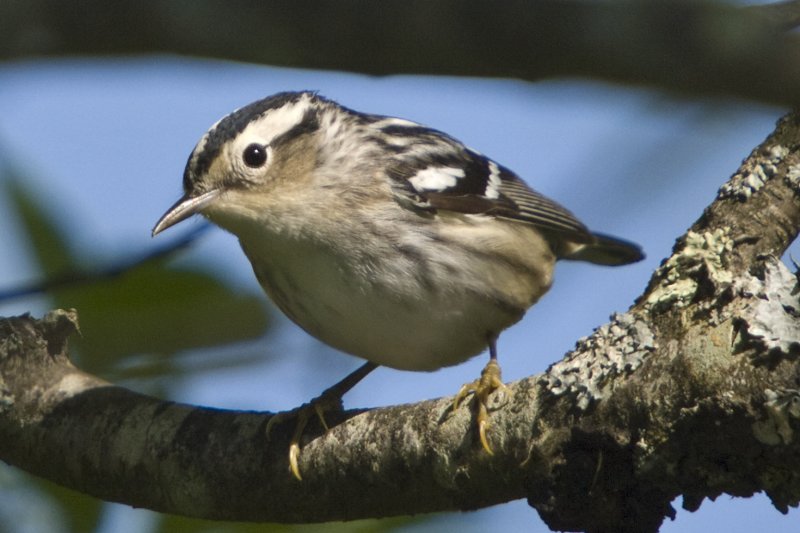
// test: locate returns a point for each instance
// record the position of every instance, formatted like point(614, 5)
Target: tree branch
point(692, 392)
point(719, 49)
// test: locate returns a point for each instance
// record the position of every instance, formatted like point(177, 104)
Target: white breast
point(403, 312)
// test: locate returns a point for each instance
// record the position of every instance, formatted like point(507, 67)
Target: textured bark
point(699, 47)
point(692, 392)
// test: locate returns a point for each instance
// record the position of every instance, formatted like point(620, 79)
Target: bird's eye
point(255, 155)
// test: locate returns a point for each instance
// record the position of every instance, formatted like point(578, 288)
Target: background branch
point(685, 45)
point(693, 392)
point(73, 278)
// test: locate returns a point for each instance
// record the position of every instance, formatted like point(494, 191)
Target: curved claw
point(319, 408)
point(294, 455)
point(294, 444)
point(482, 434)
point(465, 389)
point(275, 419)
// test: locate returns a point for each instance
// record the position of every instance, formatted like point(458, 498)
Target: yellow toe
point(482, 388)
point(294, 456)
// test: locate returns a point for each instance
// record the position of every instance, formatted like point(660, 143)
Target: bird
point(381, 237)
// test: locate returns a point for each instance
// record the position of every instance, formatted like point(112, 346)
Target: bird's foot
point(482, 388)
point(328, 401)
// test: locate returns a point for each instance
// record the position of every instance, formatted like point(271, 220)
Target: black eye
point(255, 155)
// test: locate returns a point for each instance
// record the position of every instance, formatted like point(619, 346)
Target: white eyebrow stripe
point(276, 122)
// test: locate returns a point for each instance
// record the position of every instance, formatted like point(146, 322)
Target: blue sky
point(105, 143)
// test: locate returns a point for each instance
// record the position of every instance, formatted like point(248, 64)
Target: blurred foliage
point(150, 309)
point(80, 512)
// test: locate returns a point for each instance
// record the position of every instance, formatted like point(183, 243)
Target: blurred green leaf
point(81, 512)
point(52, 251)
point(151, 309)
point(148, 367)
point(155, 310)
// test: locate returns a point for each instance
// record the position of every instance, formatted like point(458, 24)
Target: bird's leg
point(329, 400)
point(483, 387)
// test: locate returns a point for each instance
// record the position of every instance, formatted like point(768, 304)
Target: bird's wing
point(444, 174)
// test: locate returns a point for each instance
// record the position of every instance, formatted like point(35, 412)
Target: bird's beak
point(183, 209)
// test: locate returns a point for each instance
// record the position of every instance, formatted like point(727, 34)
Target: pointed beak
point(183, 209)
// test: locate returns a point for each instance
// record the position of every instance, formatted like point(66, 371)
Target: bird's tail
point(603, 250)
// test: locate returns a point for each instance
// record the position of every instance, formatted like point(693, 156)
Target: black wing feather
point(537, 209)
point(484, 188)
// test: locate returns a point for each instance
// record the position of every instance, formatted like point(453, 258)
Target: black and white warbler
point(381, 237)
